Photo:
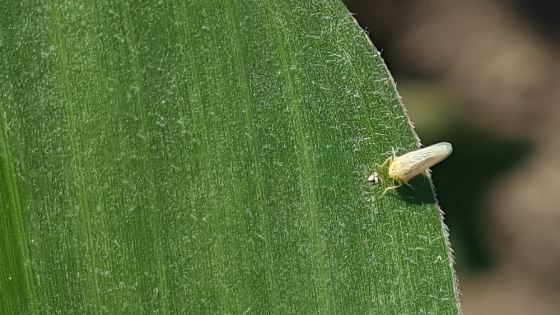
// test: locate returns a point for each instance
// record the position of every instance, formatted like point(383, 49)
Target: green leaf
point(198, 157)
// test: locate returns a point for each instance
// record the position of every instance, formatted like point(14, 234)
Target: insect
point(405, 167)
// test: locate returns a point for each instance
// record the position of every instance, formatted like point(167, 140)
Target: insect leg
point(389, 159)
point(407, 184)
point(393, 187)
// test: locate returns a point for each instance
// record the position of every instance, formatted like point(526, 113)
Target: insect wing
point(416, 162)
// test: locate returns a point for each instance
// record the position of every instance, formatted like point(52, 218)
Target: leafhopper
point(405, 167)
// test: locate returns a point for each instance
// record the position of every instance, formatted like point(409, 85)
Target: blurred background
point(484, 75)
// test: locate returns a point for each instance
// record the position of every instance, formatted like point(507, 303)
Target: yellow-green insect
point(405, 167)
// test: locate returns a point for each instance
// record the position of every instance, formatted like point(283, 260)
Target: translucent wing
point(413, 163)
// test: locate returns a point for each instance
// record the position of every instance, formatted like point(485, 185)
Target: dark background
point(485, 76)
